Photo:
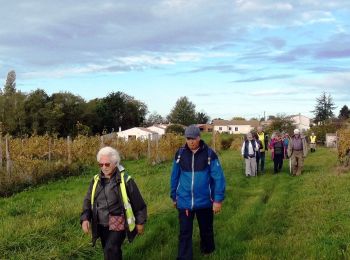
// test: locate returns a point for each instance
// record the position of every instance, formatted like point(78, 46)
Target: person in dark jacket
point(249, 150)
point(264, 139)
point(277, 151)
point(197, 189)
point(105, 212)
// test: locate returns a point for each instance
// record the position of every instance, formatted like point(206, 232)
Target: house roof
point(161, 126)
point(253, 123)
point(146, 130)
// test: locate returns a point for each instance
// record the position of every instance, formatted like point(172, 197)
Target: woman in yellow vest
point(113, 207)
point(312, 142)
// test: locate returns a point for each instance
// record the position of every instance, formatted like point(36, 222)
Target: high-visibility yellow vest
point(126, 202)
point(313, 139)
point(262, 139)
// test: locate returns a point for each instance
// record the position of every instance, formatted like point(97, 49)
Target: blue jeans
point(205, 219)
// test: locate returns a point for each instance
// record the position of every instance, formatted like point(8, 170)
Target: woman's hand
point(85, 226)
point(140, 229)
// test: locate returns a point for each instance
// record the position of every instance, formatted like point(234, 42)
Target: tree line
point(62, 114)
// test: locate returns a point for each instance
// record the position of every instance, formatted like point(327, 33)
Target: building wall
point(159, 130)
point(233, 129)
point(302, 122)
point(137, 134)
point(331, 140)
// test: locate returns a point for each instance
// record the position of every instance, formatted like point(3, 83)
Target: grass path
point(267, 217)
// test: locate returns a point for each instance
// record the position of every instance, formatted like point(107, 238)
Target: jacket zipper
point(192, 185)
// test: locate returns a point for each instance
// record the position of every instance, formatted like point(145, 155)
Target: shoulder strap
point(209, 155)
point(127, 206)
point(96, 180)
point(181, 150)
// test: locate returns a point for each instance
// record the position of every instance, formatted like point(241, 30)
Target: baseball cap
point(192, 131)
point(296, 131)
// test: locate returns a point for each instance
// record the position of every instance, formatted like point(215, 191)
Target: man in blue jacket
point(197, 189)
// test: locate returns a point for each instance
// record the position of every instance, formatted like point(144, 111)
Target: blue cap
point(192, 131)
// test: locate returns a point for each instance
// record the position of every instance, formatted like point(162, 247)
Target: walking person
point(277, 151)
point(248, 151)
point(262, 151)
point(197, 190)
point(113, 207)
point(285, 145)
point(312, 142)
point(297, 151)
point(258, 154)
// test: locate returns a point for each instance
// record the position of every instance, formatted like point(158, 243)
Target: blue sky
point(230, 58)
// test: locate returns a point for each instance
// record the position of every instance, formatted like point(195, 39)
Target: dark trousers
point(205, 219)
point(261, 160)
point(277, 162)
point(111, 242)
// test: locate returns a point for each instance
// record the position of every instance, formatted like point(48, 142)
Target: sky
point(231, 58)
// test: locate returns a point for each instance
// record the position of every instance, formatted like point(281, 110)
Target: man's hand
point(174, 204)
point(85, 225)
point(140, 229)
point(217, 207)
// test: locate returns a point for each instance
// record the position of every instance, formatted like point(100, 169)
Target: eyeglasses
point(105, 164)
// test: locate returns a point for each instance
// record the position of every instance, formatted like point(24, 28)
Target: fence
point(28, 161)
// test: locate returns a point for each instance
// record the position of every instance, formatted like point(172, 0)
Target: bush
point(226, 143)
point(175, 129)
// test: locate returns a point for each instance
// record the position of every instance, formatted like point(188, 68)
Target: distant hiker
point(197, 189)
point(106, 207)
point(257, 155)
point(277, 151)
point(264, 140)
point(248, 151)
point(312, 142)
point(297, 151)
point(285, 145)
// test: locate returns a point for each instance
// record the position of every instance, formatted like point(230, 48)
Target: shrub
point(175, 129)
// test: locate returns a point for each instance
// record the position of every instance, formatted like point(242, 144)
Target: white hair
point(112, 153)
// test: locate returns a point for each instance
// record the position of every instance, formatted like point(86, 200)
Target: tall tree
point(184, 112)
point(121, 110)
point(63, 111)
point(344, 113)
point(10, 85)
point(34, 107)
point(154, 118)
point(281, 123)
point(324, 108)
point(202, 118)
point(11, 107)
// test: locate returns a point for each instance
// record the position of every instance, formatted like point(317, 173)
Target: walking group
point(114, 209)
point(282, 147)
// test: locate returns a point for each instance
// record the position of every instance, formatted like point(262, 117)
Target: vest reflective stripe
point(96, 179)
point(313, 139)
point(128, 209)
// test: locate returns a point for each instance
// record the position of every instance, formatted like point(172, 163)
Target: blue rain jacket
point(197, 179)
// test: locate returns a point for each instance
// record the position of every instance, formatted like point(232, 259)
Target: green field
point(267, 217)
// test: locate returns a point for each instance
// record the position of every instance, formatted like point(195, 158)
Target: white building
point(138, 133)
point(331, 140)
point(160, 129)
point(301, 122)
point(235, 126)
